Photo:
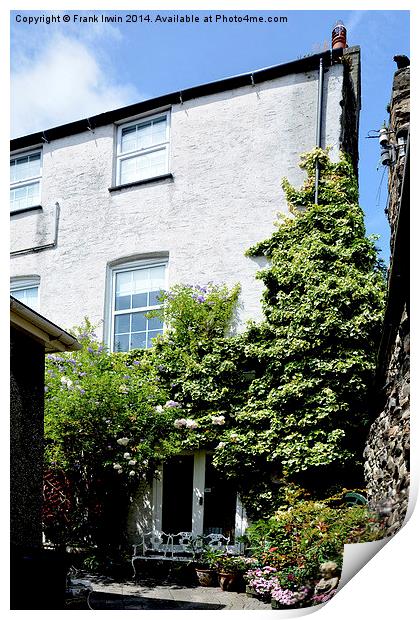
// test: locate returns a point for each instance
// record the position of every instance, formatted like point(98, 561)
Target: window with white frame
point(25, 180)
point(135, 292)
point(143, 149)
point(26, 290)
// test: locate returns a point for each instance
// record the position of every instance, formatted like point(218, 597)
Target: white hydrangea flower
point(131, 473)
point(180, 423)
point(132, 462)
point(234, 437)
point(218, 420)
point(127, 455)
point(159, 409)
point(191, 424)
point(221, 444)
point(117, 466)
point(123, 441)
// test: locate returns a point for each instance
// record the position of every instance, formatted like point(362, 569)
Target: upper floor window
point(26, 290)
point(25, 180)
point(135, 292)
point(143, 149)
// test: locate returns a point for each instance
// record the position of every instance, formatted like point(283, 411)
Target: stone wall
point(387, 450)
point(399, 122)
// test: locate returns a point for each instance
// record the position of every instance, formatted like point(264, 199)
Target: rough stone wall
point(399, 120)
point(229, 152)
point(387, 450)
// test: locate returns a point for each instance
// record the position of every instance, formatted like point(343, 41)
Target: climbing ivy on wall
point(307, 410)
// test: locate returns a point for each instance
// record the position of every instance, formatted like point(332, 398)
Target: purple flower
point(126, 376)
point(82, 374)
point(136, 363)
point(200, 299)
point(45, 389)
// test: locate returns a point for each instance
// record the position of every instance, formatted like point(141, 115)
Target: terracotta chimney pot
point(339, 36)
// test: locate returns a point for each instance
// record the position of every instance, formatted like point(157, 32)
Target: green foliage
point(282, 406)
point(297, 540)
point(105, 426)
point(307, 409)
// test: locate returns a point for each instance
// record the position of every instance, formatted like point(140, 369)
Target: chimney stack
point(339, 36)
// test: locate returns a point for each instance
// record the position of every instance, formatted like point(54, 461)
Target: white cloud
point(63, 82)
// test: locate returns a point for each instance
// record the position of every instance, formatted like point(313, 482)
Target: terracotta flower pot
point(205, 576)
point(228, 581)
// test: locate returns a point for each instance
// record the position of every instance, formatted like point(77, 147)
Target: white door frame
point(241, 521)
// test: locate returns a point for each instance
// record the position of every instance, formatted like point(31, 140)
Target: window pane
point(157, 278)
point(23, 197)
point(138, 322)
point(138, 341)
point(159, 131)
point(25, 167)
point(140, 300)
point(150, 336)
point(28, 296)
point(128, 139)
point(143, 166)
point(144, 135)
point(154, 298)
point(154, 323)
point(122, 324)
point(123, 286)
point(128, 171)
point(121, 343)
point(141, 280)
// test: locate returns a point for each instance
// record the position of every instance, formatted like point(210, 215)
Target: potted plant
point(230, 569)
point(205, 568)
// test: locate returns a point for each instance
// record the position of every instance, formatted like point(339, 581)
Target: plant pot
point(205, 576)
point(228, 581)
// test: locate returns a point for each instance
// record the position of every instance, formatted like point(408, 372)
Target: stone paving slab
point(132, 596)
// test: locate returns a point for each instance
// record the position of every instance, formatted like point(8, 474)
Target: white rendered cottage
point(107, 211)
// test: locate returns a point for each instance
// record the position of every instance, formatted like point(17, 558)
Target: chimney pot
point(339, 36)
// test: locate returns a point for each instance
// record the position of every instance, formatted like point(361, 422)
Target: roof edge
point(307, 63)
point(53, 338)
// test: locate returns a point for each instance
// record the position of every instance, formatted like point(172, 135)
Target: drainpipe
point(319, 123)
point(46, 246)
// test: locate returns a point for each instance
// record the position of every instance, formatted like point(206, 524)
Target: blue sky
point(61, 72)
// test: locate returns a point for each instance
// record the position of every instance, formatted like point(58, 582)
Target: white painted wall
point(229, 152)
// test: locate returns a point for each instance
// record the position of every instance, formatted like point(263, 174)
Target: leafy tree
point(106, 429)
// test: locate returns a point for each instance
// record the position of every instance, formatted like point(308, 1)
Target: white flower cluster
point(218, 420)
point(123, 441)
point(67, 382)
point(186, 423)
